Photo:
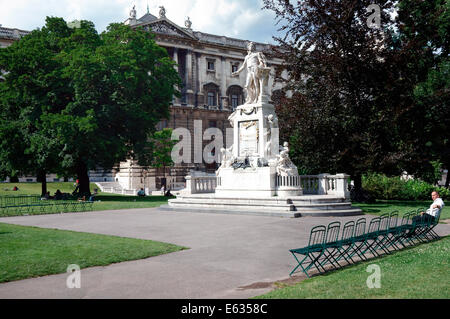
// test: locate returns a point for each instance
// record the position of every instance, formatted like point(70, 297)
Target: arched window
point(211, 99)
point(211, 94)
point(235, 96)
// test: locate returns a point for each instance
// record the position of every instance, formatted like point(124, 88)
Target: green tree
point(365, 99)
point(338, 117)
point(422, 47)
point(162, 149)
point(32, 85)
point(105, 93)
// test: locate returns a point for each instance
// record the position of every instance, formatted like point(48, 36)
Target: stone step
point(298, 201)
point(320, 207)
point(261, 212)
point(297, 206)
point(220, 202)
point(230, 205)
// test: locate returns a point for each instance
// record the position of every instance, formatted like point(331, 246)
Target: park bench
point(382, 236)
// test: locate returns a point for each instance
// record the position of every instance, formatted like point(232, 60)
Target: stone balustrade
point(287, 181)
point(198, 184)
point(323, 184)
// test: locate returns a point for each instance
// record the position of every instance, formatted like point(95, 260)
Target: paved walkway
point(227, 252)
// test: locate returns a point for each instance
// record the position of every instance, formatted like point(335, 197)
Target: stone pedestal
point(254, 166)
point(258, 182)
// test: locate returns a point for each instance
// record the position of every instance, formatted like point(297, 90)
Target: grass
point(421, 272)
point(103, 201)
point(27, 252)
point(387, 206)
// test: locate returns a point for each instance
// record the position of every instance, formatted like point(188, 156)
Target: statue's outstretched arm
point(241, 68)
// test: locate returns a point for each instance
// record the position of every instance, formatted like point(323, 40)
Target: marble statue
point(284, 163)
point(272, 123)
point(133, 13)
point(188, 23)
point(257, 74)
point(162, 12)
point(227, 156)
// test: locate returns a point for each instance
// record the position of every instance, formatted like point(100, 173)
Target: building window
point(211, 99)
point(212, 92)
point(234, 67)
point(161, 125)
point(234, 101)
point(212, 123)
point(211, 65)
point(235, 96)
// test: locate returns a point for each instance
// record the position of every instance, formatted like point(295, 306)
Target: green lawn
point(422, 272)
point(385, 206)
point(104, 201)
point(31, 252)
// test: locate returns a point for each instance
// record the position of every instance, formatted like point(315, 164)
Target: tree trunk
point(42, 177)
point(83, 178)
point(357, 191)
point(447, 180)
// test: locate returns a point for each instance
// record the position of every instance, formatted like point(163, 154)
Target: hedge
point(382, 187)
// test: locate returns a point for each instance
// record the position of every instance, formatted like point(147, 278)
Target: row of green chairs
point(382, 235)
point(19, 200)
point(47, 206)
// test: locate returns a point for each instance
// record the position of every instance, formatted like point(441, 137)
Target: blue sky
point(242, 19)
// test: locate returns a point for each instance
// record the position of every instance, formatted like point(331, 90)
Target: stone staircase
point(299, 206)
point(114, 188)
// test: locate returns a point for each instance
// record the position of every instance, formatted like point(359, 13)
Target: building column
point(199, 99)
point(189, 78)
point(176, 100)
point(223, 85)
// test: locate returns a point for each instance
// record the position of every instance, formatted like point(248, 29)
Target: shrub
point(382, 187)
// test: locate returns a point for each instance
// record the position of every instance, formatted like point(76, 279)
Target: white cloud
point(233, 18)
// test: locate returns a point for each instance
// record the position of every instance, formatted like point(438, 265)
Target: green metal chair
point(425, 230)
point(344, 244)
point(312, 252)
point(400, 235)
point(357, 240)
point(383, 234)
point(369, 239)
point(414, 227)
point(331, 244)
point(393, 229)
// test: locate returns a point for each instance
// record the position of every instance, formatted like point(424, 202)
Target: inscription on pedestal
point(248, 138)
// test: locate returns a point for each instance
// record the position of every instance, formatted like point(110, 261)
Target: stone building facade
point(209, 93)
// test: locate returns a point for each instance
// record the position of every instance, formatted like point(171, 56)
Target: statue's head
point(251, 46)
point(285, 144)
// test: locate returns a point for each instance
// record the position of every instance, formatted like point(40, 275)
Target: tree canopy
point(357, 87)
point(90, 100)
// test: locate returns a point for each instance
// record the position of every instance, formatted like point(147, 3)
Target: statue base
point(258, 182)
